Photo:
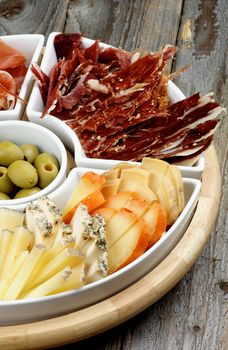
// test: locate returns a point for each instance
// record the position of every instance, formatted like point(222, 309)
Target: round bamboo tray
point(124, 305)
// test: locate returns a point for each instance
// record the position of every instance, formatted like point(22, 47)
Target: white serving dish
point(35, 108)
point(46, 307)
point(31, 46)
point(21, 132)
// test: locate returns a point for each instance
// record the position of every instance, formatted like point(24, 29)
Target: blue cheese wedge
point(38, 223)
point(90, 234)
point(99, 228)
point(53, 214)
point(98, 270)
point(44, 220)
point(64, 235)
point(82, 226)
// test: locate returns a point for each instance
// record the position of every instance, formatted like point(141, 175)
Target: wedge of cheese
point(20, 241)
point(9, 219)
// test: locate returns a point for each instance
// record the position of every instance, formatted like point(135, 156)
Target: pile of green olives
point(24, 170)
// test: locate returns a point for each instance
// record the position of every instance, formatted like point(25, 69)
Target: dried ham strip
point(117, 103)
point(42, 80)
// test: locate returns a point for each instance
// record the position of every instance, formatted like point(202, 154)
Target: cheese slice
point(5, 237)
point(99, 268)
point(52, 213)
point(38, 223)
point(20, 241)
point(9, 218)
point(90, 235)
point(67, 257)
point(12, 273)
point(24, 272)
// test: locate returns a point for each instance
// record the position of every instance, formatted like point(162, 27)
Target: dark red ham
point(64, 43)
point(42, 80)
point(92, 52)
point(117, 103)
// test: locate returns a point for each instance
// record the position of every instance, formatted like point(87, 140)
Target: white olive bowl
point(69, 138)
point(22, 132)
point(29, 310)
point(31, 46)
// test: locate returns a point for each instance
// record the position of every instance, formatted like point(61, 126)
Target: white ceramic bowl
point(35, 108)
point(31, 46)
point(21, 132)
point(22, 311)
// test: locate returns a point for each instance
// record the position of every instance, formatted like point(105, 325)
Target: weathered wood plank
point(204, 48)
point(129, 24)
point(21, 16)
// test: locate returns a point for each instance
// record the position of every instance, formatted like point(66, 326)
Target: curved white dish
point(31, 46)
point(50, 306)
point(21, 132)
point(35, 108)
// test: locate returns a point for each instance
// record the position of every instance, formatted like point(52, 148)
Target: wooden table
point(194, 314)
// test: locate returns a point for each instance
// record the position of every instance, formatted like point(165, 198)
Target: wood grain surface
point(194, 314)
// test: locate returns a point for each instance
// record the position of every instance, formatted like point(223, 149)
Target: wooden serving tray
point(124, 305)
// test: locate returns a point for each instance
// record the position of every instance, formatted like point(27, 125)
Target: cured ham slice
point(10, 57)
point(64, 43)
point(117, 103)
point(7, 90)
point(18, 73)
point(12, 74)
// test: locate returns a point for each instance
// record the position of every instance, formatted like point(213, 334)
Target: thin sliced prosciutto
point(12, 74)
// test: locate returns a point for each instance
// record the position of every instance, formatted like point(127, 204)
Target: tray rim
point(136, 298)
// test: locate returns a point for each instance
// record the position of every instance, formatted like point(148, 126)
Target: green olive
point(25, 192)
point(9, 152)
point(30, 152)
point(47, 172)
point(23, 174)
point(44, 158)
point(6, 185)
point(4, 196)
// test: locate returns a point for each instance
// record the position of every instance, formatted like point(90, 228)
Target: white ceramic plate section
point(31, 46)
point(35, 108)
point(21, 132)
point(46, 307)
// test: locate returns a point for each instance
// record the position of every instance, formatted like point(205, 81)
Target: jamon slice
point(42, 80)
point(10, 57)
point(184, 139)
point(121, 58)
point(7, 88)
point(92, 52)
point(64, 43)
point(18, 73)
